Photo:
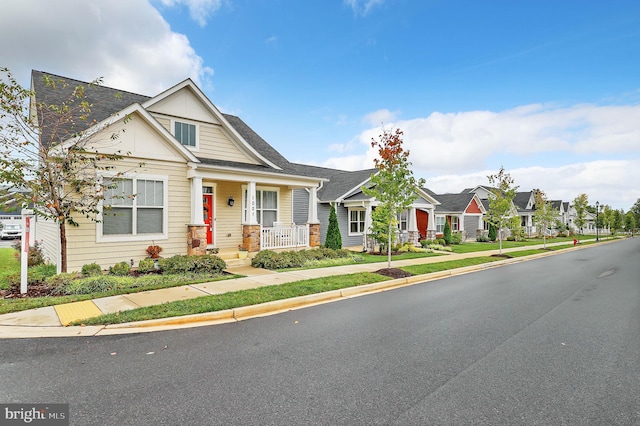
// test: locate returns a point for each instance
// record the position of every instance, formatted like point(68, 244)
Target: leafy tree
point(501, 198)
point(52, 151)
point(447, 233)
point(545, 214)
point(630, 222)
point(394, 185)
point(635, 210)
point(334, 239)
point(379, 226)
point(580, 205)
point(617, 221)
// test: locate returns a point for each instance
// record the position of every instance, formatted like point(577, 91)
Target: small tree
point(629, 222)
point(545, 215)
point(447, 233)
point(617, 221)
point(334, 239)
point(501, 201)
point(393, 185)
point(580, 205)
point(50, 151)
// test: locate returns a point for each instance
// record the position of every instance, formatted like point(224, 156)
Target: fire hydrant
point(575, 242)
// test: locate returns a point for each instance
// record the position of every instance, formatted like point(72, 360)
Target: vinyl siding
point(83, 247)
point(301, 206)
point(47, 233)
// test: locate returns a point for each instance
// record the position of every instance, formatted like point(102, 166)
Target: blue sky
point(548, 89)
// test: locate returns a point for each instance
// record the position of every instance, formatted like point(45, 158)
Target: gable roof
point(521, 200)
point(108, 101)
point(453, 203)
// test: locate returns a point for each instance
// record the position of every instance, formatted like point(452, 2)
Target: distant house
point(353, 207)
point(525, 204)
point(464, 212)
point(208, 181)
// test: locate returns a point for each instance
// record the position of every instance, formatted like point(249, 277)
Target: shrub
point(447, 233)
point(146, 265)
point(59, 283)
point(35, 258)
point(178, 264)
point(91, 270)
point(209, 264)
point(511, 238)
point(456, 238)
point(481, 238)
point(268, 259)
point(492, 233)
point(334, 239)
point(120, 269)
point(95, 284)
point(441, 241)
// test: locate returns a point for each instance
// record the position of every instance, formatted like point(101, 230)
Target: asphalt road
point(546, 342)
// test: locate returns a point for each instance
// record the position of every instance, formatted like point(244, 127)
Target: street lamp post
point(597, 221)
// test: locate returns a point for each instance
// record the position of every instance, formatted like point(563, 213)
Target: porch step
point(235, 262)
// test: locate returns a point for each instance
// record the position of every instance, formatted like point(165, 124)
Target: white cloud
point(569, 145)
point(199, 10)
point(125, 41)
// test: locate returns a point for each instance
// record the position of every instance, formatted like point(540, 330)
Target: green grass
point(361, 258)
point(428, 268)
point(8, 265)
point(237, 298)
point(470, 247)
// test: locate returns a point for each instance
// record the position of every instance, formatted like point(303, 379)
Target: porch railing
point(284, 237)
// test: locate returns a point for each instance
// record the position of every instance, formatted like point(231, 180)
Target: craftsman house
point(207, 181)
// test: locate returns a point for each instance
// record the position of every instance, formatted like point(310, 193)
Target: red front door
point(207, 215)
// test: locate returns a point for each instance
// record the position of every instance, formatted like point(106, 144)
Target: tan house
point(207, 181)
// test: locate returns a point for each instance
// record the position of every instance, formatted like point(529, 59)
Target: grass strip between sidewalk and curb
point(237, 299)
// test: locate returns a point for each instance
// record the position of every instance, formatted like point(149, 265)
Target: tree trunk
point(63, 247)
point(389, 247)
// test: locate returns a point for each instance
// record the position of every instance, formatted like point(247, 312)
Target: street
point(548, 341)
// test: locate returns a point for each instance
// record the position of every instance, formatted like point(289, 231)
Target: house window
point(356, 221)
point(185, 133)
point(403, 220)
point(455, 223)
point(266, 207)
point(440, 224)
point(126, 214)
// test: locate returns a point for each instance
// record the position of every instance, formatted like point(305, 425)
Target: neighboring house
point(463, 211)
point(483, 193)
point(208, 181)
point(525, 203)
point(11, 212)
point(353, 207)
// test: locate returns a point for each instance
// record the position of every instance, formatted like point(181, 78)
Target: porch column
point(252, 216)
point(196, 201)
point(251, 230)
point(313, 206)
point(431, 228)
point(412, 226)
point(367, 228)
point(461, 229)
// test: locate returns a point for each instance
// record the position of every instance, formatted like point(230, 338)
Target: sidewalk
point(51, 321)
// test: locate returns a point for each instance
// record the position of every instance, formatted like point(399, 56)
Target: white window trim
point(260, 188)
point(455, 228)
point(444, 219)
point(100, 238)
point(364, 221)
point(195, 148)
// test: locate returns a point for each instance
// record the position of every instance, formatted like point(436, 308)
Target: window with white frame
point(185, 133)
point(124, 213)
point(266, 207)
point(403, 220)
point(440, 224)
point(455, 223)
point(356, 221)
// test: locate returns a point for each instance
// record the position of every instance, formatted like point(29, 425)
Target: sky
point(547, 89)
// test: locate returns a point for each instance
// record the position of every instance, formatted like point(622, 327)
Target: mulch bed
point(394, 273)
point(33, 290)
point(503, 256)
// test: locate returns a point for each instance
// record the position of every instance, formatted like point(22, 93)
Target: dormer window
point(185, 133)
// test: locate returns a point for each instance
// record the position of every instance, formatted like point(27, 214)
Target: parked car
point(11, 230)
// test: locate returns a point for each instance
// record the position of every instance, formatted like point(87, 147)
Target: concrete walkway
point(53, 320)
